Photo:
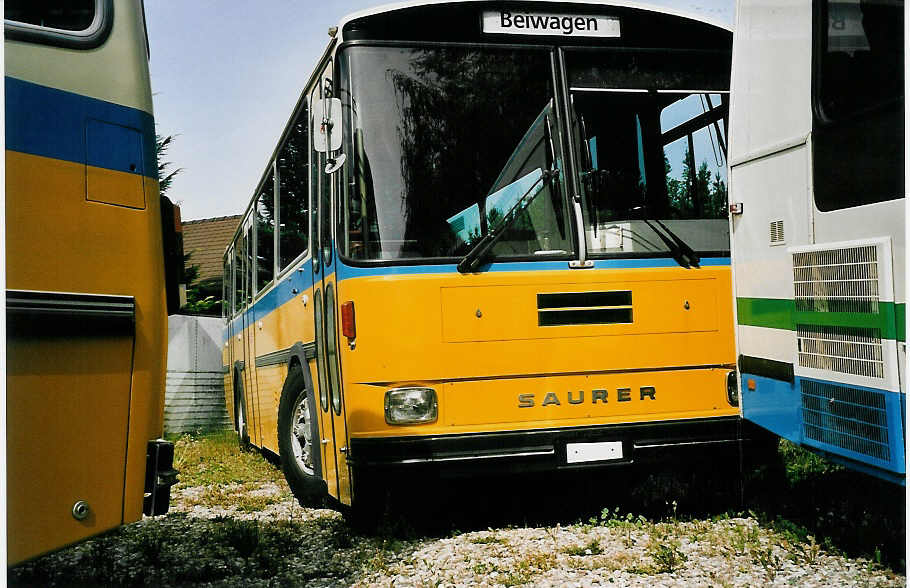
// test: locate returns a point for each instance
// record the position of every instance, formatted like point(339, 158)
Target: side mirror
point(327, 125)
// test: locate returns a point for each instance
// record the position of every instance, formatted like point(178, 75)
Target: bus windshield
point(649, 130)
point(444, 142)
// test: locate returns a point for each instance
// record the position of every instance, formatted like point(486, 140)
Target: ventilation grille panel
point(837, 280)
point(848, 350)
point(847, 418)
point(777, 232)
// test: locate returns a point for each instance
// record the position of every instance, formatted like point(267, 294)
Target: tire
point(298, 440)
point(240, 425)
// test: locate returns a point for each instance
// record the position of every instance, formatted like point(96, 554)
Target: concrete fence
point(194, 394)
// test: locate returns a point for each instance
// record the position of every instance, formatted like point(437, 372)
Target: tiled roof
point(206, 240)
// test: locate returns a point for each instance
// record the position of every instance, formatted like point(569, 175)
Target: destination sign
point(538, 23)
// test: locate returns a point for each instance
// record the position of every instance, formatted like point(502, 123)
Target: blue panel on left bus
point(121, 146)
point(52, 123)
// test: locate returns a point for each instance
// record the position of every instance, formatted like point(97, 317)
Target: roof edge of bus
point(393, 6)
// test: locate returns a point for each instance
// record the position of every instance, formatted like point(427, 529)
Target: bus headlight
point(732, 389)
point(409, 406)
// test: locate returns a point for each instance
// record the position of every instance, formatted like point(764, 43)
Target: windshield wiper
point(479, 251)
point(681, 252)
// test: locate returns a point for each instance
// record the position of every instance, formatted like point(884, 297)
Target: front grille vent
point(848, 350)
point(846, 418)
point(837, 280)
point(584, 308)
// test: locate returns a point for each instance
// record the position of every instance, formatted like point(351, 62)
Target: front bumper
point(545, 449)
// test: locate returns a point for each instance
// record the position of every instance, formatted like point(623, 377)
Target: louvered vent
point(837, 280)
point(847, 350)
point(848, 418)
point(777, 232)
point(584, 308)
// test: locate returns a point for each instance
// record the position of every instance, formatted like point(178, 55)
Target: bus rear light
point(348, 327)
point(410, 406)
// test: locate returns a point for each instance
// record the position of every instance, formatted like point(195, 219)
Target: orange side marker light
point(348, 326)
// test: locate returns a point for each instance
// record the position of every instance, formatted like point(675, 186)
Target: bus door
point(333, 427)
point(247, 330)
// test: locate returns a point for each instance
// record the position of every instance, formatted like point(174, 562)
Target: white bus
point(817, 196)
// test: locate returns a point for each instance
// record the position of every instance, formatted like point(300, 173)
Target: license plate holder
point(588, 452)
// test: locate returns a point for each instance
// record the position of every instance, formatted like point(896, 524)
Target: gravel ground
point(610, 551)
point(547, 531)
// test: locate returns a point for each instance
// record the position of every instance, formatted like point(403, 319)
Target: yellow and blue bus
point(86, 301)
point(818, 189)
point(490, 237)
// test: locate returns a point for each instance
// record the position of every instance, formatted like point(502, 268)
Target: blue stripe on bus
point(302, 280)
point(54, 123)
point(278, 296)
point(777, 405)
point(346, 272)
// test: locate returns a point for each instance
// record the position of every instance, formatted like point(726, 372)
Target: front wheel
point(298, 440)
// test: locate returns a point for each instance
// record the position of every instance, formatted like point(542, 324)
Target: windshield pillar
point(574, 191)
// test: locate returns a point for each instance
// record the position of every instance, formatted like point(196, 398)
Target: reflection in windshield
point(649, 146)
point(436, 133)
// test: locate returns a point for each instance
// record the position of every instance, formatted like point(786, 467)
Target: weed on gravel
point(178, 550)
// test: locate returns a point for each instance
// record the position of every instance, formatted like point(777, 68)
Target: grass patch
point(243, 497)
point(215, 459)
point(528, 567)
point(592, 547)
point(801, 464)
point(488, 540)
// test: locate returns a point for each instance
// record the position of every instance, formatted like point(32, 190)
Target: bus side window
point(239, 269)
point(265, 234)
point(293, 191)
point(226, 288)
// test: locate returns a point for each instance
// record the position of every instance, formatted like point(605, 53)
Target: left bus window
point(226, 288)
point(293, 191)
point(265, 233)
point(240, 272)
point(471, 127)
point(70, 15)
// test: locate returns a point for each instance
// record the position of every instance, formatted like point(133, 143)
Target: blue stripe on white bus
point(54, 123)
point(777, 406)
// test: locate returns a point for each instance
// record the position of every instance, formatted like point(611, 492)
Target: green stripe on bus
point(777, 313)
point(900, 317)
point(773, 313)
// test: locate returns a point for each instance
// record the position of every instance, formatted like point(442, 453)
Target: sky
point(226, 75)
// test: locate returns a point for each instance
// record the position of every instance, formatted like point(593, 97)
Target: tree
point(695, 195)
point(202, 297)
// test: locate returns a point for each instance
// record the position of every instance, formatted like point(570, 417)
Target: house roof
point(205, 240)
